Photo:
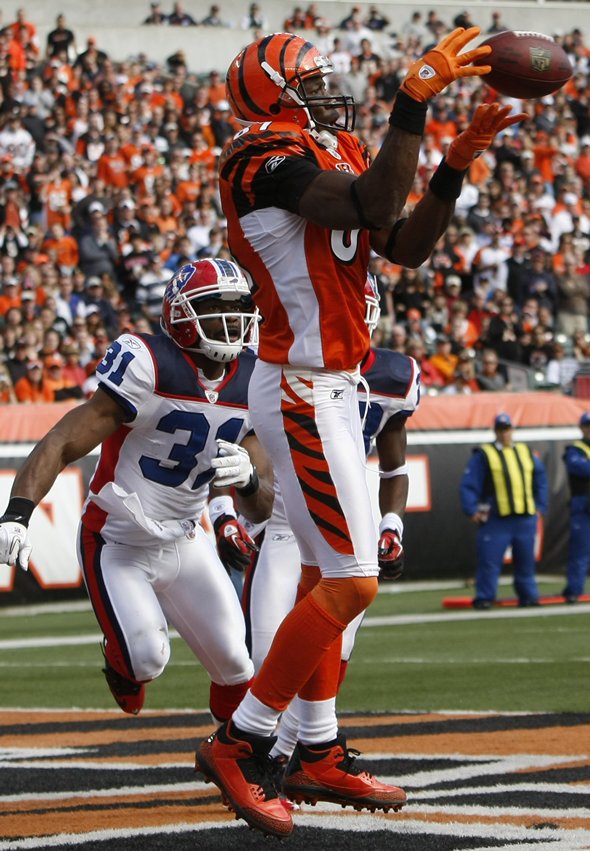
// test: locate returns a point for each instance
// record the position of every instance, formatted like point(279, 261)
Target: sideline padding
point(465, 602)
point(26, 423)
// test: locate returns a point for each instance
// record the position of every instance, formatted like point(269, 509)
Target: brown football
point(525, 65)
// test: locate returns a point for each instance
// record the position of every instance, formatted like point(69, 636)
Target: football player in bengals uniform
point(304, 208)
point(171, 414)
point(392, 384)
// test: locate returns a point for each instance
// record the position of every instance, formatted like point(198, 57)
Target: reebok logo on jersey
point(273, 163)
point(426, 72)
point(337, 394)
point(133, 344)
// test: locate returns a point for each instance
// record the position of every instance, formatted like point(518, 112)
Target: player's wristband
point(446, 182)
point(391, 520)
point(221, 505)
point(390, 474)
point(408, 114)
point(19, 510)
point(252, 485)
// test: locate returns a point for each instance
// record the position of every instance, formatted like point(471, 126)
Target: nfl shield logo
point(540, 59)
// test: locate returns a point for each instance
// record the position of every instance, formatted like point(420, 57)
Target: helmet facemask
point(239, 327)
point(298, 91)
point(372, 308)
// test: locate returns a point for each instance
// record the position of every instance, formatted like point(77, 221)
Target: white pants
point(308, 421)
point(137, 591)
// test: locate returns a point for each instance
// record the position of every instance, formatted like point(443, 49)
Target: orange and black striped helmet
point(266, 81)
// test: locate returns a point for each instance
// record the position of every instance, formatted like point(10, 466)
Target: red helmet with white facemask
point(192, 289)
point(372, 298)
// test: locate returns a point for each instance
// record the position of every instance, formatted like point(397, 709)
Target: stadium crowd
point(108, 184)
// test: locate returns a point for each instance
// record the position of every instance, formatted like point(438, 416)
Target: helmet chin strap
point(324, 137)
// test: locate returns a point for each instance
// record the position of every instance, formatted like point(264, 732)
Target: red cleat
point(130, 695)
point(240, 767)
point(328, 773)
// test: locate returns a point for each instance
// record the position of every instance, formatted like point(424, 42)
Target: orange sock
point(323, 683)
point(301, 641)
point(327, 677)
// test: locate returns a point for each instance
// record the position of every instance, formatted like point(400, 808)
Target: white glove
point(15, 547)
point(232, 466)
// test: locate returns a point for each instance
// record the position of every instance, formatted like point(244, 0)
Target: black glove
point(391, 555)
point(234, 544)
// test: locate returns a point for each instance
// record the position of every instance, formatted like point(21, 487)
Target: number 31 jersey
point(163, 452)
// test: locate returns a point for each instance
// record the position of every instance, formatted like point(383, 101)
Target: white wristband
point(399, 471)
point(391, 520)
point(221, 505)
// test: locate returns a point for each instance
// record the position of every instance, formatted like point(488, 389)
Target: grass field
point(411, 654)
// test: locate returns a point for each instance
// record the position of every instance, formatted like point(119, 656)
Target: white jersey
point(157, 465)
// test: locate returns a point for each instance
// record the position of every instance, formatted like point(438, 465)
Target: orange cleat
point(328, 772)
point(239, 765)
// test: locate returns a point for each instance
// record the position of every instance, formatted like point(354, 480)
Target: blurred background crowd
point(108, 184)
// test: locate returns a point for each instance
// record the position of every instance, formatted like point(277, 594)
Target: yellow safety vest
point(512, 469)
point(580, 444)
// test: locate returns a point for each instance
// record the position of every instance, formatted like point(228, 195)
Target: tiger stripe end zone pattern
point(101, 780)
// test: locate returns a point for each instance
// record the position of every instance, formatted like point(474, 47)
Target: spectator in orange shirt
point(443, 359)
point(63, 388)
point(33, 387)
point(10, 295)
point(441, 126)
point(112, 166)
point(57, 195)
point(216, 88)
point(29, 26)
point(61, 247)
point(144, 178)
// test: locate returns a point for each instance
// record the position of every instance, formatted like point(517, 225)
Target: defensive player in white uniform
point(171, 414)
point(393, 381)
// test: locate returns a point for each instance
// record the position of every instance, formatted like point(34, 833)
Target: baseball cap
point(93, 281)
point(585, 419)
point(453, 281)
point(54, 360)
point(34, 364)
point(503, 421)
point(96, 207)
point(414, 313)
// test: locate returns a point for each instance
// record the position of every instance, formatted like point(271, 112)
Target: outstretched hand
point(442, 65)
point(488, 120)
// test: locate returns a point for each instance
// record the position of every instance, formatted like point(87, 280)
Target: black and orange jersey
point(308, 280)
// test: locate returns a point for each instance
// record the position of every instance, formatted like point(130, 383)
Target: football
point(525, 64)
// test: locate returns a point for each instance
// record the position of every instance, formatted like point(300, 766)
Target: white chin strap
point(220, 352)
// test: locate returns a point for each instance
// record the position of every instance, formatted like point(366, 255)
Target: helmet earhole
point(274, 108)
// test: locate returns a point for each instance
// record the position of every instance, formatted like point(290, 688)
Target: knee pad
point(150, 656)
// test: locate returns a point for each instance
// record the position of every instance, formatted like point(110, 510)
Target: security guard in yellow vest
point(503, 489)
point(577, 462)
